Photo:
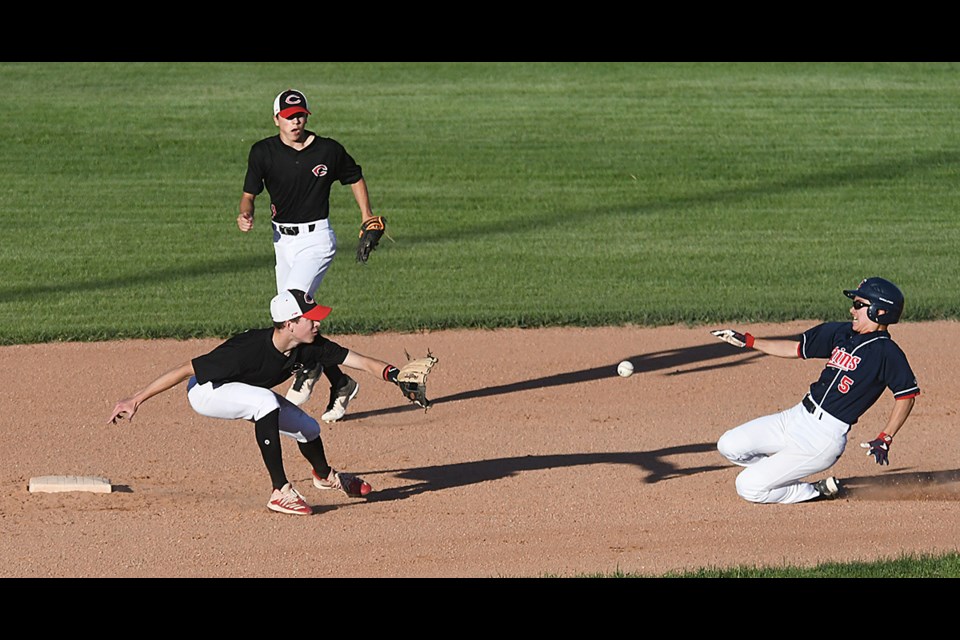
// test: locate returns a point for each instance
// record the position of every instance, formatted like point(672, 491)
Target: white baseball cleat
point(302, 386)
point(352, 485)
point(288, 500)
point(339, 399)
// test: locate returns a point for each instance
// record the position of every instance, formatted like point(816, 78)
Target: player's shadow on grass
point(904, 485)
point(667, 359)
point(655, 464)
point(535, 222)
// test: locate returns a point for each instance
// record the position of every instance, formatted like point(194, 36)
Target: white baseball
point(625, 369)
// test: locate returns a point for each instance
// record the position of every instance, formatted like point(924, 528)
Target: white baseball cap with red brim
point(294, 304)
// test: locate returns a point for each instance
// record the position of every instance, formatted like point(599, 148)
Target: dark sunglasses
point(858, 304)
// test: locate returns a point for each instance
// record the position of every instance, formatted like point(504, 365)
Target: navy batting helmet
point(882, 294)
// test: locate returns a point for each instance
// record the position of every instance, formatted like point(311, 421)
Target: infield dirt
point(536, 459)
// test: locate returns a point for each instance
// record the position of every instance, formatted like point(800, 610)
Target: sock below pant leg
point(267, 429)
point(313, 452)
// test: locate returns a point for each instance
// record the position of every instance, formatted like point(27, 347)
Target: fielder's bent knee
point(309, 431)
point(296, 423)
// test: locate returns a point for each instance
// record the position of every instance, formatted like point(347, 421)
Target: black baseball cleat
point(828, 488)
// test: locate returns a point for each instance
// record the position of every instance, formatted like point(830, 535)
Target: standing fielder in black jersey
point(862, 360)
point(235, 381)
point(298, 167)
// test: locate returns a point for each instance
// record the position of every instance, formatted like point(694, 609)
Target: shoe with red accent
point(288, 500)
point(347, 482)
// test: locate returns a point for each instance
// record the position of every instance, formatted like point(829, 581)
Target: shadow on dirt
point(904, 485)
point(643, 363)
point(447, 476)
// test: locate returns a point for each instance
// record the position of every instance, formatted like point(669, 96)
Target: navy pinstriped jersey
point(299, 181)
point(859, 368)
point(251, 357)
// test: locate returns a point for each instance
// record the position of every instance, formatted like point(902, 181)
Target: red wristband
point(883, 436)
point(748, 341)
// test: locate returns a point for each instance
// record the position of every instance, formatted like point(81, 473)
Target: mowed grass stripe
point(516, 194)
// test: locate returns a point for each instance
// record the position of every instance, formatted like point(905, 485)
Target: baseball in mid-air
point(625, 369)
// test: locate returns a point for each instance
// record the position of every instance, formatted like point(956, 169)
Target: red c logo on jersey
point(319, 170)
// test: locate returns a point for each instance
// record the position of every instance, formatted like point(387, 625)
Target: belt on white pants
point(817, 412)
point(304, 227)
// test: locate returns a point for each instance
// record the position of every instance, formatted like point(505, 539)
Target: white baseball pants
point(779, 450)
point(303, 259)
point(239, 401)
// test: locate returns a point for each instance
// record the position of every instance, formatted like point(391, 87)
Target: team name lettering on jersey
point(842, 360)
point(320, 170)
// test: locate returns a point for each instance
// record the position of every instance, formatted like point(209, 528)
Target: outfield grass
point(516, 194)
point(904, 566)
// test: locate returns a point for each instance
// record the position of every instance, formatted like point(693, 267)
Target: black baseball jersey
point(299, 181)
point(251, 357)
point(859, 367)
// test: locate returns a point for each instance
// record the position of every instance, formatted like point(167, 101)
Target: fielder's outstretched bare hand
point(123, 409)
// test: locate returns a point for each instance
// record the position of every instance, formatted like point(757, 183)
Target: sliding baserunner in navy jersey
point(780, 450)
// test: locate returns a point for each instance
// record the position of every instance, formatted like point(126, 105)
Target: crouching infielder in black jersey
point(235, 381)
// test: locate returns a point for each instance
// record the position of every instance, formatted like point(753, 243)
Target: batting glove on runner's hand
point(735, 338)
point(879, 448)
